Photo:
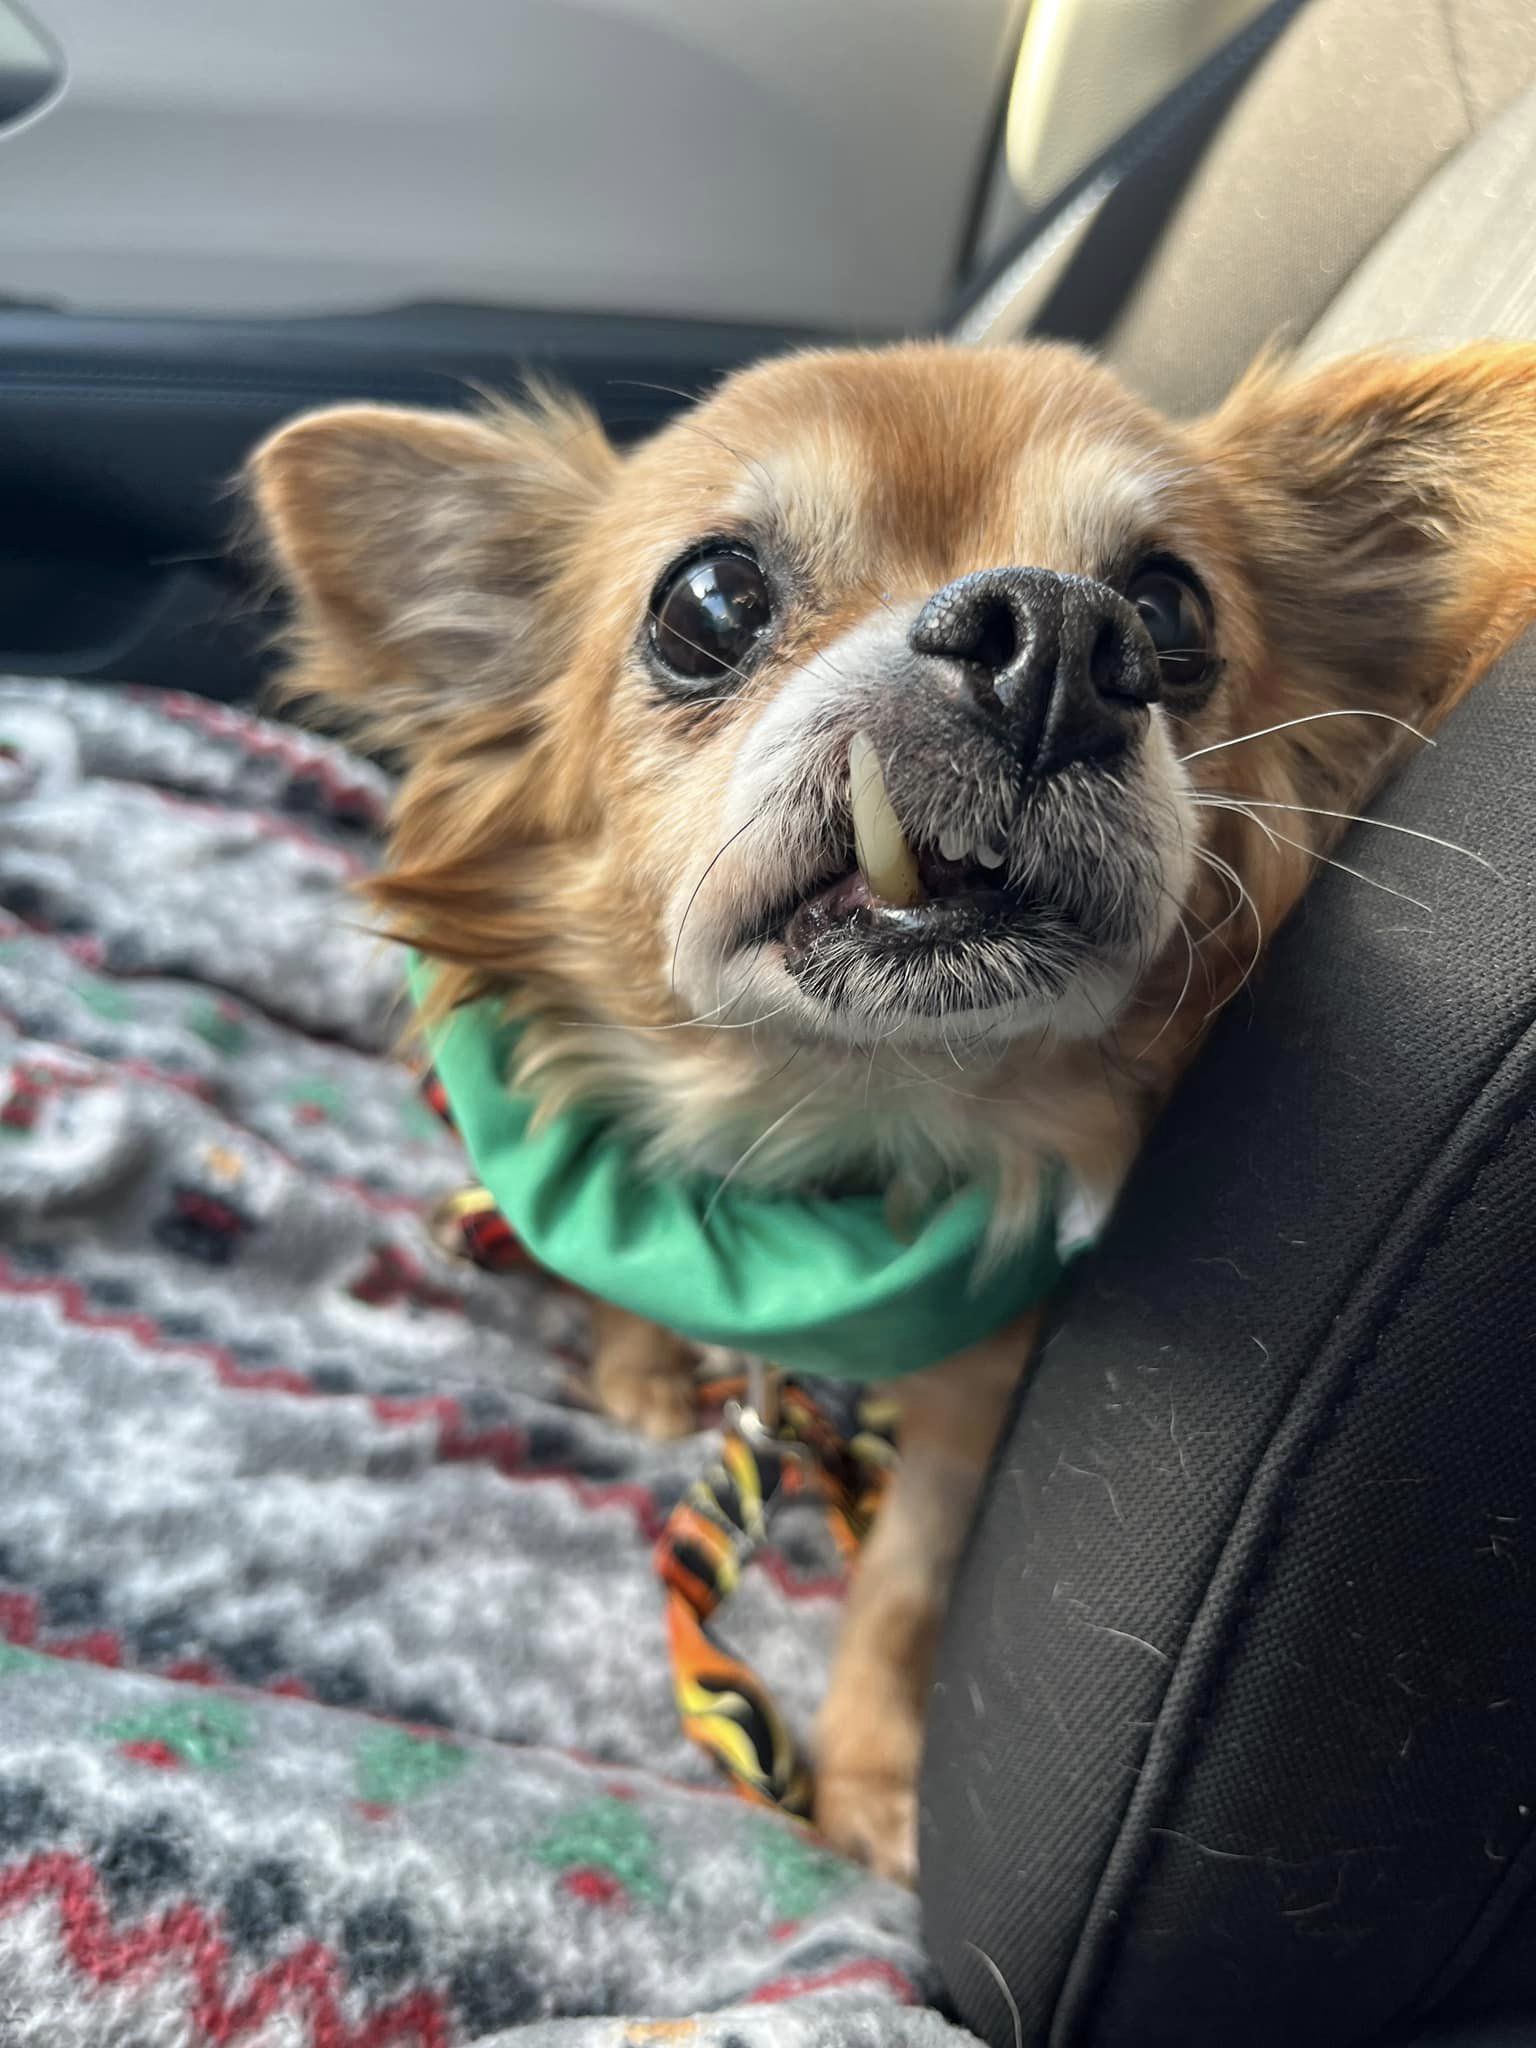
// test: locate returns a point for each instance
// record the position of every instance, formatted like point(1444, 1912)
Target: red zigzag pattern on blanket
point(305, 1983)
point(500, 1445)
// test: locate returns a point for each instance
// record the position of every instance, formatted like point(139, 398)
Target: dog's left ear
point(422, 549)
point(1385, 511)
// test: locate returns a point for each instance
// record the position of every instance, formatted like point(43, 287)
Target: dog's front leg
point(869, 1736)
point(641, 1373)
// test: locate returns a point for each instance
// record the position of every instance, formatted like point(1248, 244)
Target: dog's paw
point(872, 1817)
point(642, 1374)
point(660, 1405)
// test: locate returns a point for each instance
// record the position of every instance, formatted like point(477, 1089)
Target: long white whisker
point(1310, 718)
point(1008, 1998)
point(759, 1141)
point(683, 1023)
point(1343, 866)
point(698, 885)
point(649, 1030)
point(869, 1069)
point(922, 1080)
point(1178, 1002)
point(1236, 892)
point(1254, 803)
point(784, 1069)
point(1235, 881)
point(1237, 803)
point(1186, 912)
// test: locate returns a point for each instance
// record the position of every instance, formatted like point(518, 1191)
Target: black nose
point(1060, 664)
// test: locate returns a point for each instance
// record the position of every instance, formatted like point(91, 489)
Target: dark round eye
point(1175, 613)
point(708, 615)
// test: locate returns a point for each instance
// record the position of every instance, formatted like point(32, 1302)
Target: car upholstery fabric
point(1461, 264)
point(1327, 142)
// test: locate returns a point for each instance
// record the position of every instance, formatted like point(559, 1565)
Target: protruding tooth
point(991, 856)
point(885, 858)
point(952, 845)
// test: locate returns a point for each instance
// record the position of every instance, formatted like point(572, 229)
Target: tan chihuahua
point(882, 776)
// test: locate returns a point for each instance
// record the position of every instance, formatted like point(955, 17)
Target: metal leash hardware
point(761, 1416)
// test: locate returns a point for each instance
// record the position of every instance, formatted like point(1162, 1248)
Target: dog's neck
point(828, 1119)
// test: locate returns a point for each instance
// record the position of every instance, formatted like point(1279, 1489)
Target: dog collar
point(816, 1284)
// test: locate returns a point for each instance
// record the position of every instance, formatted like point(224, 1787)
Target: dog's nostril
point(1106, 663)
point(994, 640)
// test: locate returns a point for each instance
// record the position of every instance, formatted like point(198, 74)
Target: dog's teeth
point(991, 856)
point(885, 859)
point(952, 845)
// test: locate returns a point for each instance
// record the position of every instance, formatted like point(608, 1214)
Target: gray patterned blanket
point(334, 1705)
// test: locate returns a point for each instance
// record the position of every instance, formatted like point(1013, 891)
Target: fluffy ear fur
point(419, 546)
point(1385, 511)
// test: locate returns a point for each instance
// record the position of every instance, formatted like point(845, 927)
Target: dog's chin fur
point(619, 865)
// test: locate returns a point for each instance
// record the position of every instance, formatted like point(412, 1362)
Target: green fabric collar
point(816, 1285)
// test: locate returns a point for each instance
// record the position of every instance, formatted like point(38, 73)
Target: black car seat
point(1233, 1734)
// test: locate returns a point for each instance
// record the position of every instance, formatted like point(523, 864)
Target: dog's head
point(894, 699)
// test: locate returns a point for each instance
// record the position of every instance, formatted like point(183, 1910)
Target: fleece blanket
point(334, 1705)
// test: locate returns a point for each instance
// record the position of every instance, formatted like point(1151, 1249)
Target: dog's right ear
point(421, 547)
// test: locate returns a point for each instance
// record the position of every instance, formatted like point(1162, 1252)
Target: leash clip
point(760, 1417)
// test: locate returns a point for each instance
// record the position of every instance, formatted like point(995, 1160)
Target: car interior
point(1283, 1432)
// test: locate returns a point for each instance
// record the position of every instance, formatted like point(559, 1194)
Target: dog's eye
point(708, 614)
point(1175, 613)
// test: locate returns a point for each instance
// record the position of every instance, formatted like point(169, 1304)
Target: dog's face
point(882, 698)
point(908, 649)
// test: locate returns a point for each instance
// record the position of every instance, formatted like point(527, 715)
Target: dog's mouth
point(942, 925)
point(1019, 904)
point(961, 900)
